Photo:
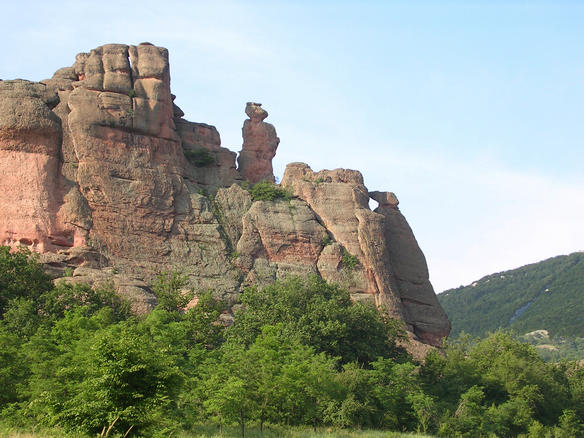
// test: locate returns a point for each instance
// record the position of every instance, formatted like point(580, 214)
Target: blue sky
point(470, 111)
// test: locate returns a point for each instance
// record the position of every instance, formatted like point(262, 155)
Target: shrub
point(21, 276)
point(349, 261)
point(268, 191)
point(199, 157)
point(68, 272)
point(169, 288)
point(321, 316)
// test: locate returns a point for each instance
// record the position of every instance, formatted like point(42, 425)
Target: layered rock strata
point(100, 173)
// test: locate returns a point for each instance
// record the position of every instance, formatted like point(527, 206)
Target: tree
point(125, 379)
point(510, 369)
point(13, 369)
point(202, 322)
point(91, 371)
point(321, 316)
point(503, 387)
point(67, 296)
point(394, 384)
point(467, 420)
point(357, 405)
point(169, 288)
point(424, 409)
point(275, 379)
point(21, 276)
point(228, 388)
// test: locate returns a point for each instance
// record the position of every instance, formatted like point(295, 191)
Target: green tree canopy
point(322, 316)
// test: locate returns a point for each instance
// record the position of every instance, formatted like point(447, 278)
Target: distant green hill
point(548, 295)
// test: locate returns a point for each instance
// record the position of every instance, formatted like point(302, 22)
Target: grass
point(293, 432)
point(41, 433)
point(234, 432)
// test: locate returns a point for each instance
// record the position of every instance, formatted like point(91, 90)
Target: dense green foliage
point(168, 286)
point(348, 260)
point(19, 278)
point(321, 316)
point(299, 354)
point(545, 295)
point(555, 348)
point(268, 191)
point(199, 157)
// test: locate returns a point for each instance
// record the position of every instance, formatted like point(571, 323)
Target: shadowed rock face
point(407, 263)
point(100, 172)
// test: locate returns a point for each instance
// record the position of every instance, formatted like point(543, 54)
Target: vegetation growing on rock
point(268, 191)
point(200, 157)
point(349, 261)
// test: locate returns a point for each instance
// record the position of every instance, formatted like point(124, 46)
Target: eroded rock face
point(31, 185)
point(100, 173)
point(209, 164)
point(341, 201)
point(408, 264)
point(287, 234)
point(391, 267)
point(259, 146)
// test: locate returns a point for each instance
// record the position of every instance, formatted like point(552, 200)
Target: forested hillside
point(75, 361)
point(548, 295)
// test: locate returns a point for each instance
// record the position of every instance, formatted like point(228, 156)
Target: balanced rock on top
point(259, 145)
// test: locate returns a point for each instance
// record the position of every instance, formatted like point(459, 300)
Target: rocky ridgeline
point(101, 174)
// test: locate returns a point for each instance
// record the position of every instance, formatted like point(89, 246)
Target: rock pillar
point(259, 146)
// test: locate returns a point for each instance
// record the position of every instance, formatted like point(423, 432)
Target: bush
point(169, 288)
point(348, 260)
point(268, 191)
point(199, 157)
point(21, 276)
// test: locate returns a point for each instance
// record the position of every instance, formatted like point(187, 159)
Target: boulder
point(285, 233)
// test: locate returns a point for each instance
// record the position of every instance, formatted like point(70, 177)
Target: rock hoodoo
point(259, 145)
point(100, 172)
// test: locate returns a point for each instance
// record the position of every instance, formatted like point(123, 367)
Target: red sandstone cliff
point(99, 172)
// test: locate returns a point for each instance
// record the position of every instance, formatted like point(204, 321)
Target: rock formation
point(422, 311)
point(100, 172)
point(259, 145)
